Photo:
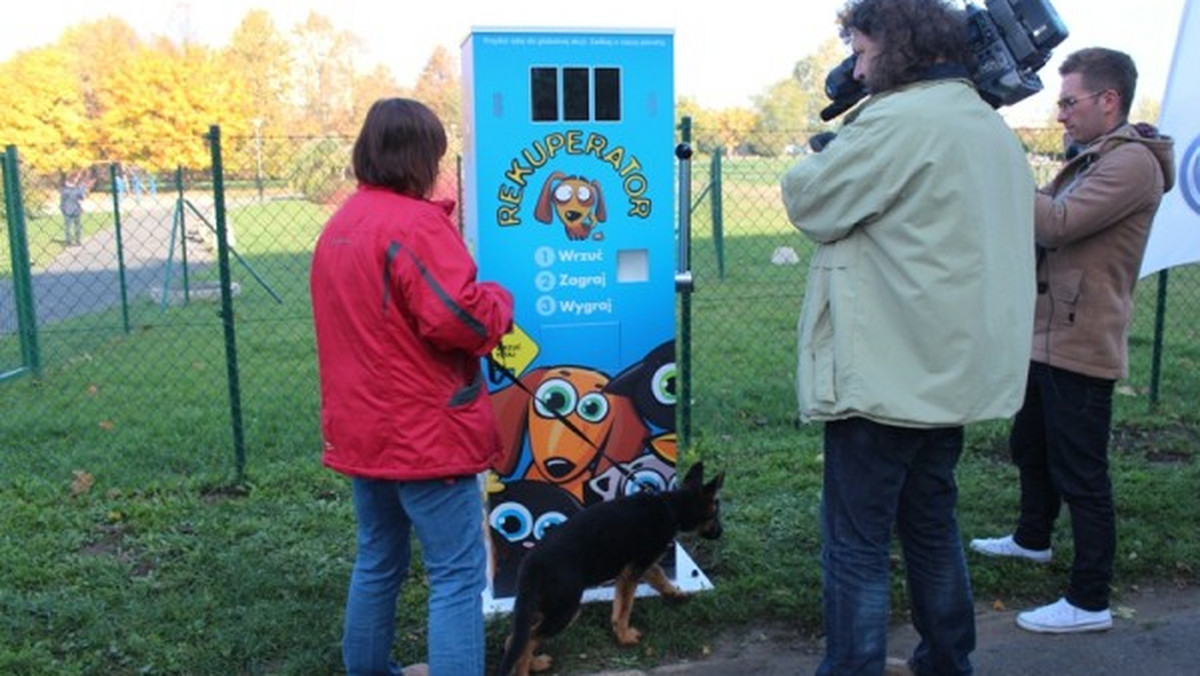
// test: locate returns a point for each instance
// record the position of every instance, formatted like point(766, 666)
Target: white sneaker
point(1061, 617)
point(1006, 546)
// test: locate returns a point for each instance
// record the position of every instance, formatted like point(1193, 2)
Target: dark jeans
point(1059, 441)
point(876, 476)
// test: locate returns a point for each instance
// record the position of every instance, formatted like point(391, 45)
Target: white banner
point(1175, 237)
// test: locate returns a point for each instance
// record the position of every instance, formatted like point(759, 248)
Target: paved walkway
point(1156, 632)
point(85, 279)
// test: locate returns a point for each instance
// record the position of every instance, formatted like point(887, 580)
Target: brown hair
point(1102, 69)
point(912, 34)
point(399, 147)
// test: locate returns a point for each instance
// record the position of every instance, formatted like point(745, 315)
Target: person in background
point(916, 318)
point(1092, 221)
point(70, 203)
point(401, 323)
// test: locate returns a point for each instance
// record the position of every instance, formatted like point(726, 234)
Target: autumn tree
point(96, 50)
point(323, 77)
point(159, 107)
point(44, 110)
point(439, 86)
point(1145, 109)
point(705, 137)
point(260, 56)
point(733, 129)
point(369, 87)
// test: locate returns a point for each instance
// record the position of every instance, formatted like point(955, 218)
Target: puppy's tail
point(522, 625)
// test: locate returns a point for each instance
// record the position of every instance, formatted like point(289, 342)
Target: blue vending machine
point(569, 202)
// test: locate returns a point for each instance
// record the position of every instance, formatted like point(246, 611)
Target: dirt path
point(1156, 632)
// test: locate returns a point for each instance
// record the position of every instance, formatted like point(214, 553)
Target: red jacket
point(401, 324)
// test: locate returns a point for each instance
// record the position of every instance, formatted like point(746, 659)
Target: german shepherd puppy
point(621, 539)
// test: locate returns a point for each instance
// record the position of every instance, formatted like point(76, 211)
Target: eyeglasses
point(1065, 105)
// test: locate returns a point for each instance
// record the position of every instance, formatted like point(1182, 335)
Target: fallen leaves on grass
point(81, 482)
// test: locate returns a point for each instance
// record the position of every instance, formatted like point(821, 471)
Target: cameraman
point(1092, 223)
point(916, 321)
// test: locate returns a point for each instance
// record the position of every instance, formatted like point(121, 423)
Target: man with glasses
point(1091, 223)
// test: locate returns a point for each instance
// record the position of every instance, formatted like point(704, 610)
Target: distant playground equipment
point(208, 291)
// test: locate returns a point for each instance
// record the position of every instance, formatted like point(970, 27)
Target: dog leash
point(512, 377)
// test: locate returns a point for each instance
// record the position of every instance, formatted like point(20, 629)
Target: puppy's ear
point(601, 212)
point(695, 476)
point(713, 486)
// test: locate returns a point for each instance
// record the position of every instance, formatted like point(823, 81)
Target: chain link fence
point(749, 264)
point(132, 348)
point(123, 344)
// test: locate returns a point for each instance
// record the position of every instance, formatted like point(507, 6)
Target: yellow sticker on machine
point(516, 350)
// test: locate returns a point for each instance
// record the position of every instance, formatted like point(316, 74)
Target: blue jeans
point(447, 516)
point(876, 476)
point(1059, 441)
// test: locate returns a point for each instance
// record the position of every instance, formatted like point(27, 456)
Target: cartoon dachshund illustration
point(577, 201)
point(559, 456)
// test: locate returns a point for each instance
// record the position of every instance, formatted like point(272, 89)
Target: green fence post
point(1160, 313)
point(231, 364)
point(27, 327)
point(183, 248)
point(116, 200)
point(718, 213)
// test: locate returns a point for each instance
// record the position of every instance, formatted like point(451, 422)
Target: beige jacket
point(919, 302)
point(1092, 224)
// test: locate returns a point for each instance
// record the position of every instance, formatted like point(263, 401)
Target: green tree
point(789, 111)
point(809, 74)
point(778, 129)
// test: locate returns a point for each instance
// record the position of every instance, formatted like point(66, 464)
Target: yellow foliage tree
point(96, 49)
point(158, 109)
point(259, 55)
point(44, 111)
point(439, 86)
point(323, 77)
point(734, 128)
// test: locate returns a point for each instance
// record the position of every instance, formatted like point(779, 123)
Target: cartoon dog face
point(559, 456)
point(651, 383)
point(519, 516)
point(577, 201)
point(648, 472)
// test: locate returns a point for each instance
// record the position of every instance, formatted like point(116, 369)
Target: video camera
point(1010, 39)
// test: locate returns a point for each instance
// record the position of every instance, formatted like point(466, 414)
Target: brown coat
point(1092, 224)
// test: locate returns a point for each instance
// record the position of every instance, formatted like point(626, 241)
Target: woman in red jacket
point(401, 324)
